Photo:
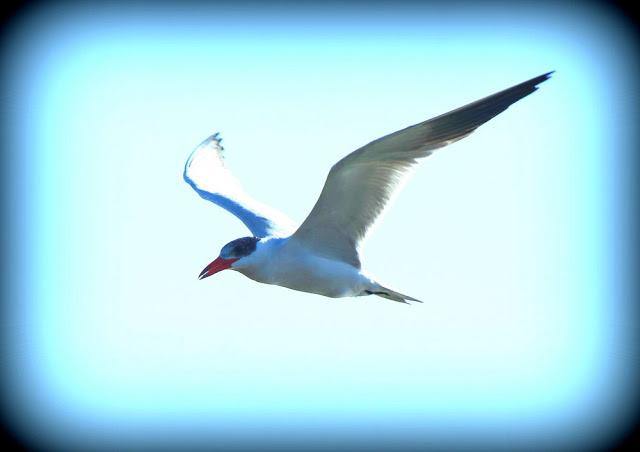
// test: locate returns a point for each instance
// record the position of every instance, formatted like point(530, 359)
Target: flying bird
point(321, 255)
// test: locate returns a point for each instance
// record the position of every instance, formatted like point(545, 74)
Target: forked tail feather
point(392, 295)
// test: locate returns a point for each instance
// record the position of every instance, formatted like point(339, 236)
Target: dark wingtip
point(462, 121)
point(547, 76)
point(534, 82)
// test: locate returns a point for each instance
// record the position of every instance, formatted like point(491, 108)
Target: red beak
point(216, 266)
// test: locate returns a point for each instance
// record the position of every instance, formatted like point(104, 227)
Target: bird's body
point(275, 257)
point(321, 255)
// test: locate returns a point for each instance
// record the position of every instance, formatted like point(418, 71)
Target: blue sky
point(514, 237)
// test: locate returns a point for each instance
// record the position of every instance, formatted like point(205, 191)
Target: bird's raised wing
point(206, 173)
point(359, 186)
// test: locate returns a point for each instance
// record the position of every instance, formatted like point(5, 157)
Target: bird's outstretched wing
point(206, 173)
point(358, 186)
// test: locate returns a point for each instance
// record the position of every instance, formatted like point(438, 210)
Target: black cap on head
point(239, 247)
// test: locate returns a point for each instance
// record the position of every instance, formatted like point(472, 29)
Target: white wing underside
point(206, 173)
point(359, 186)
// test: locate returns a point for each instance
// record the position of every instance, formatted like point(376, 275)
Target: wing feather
point(206, 172)
point(359, 186)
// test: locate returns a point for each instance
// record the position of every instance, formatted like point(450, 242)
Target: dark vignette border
point(12, 16)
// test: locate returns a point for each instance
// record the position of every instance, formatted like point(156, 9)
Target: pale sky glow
point(509, 236)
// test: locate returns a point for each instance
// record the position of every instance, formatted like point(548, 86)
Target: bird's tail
point(392, 295)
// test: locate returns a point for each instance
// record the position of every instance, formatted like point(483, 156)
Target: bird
point(321, 255)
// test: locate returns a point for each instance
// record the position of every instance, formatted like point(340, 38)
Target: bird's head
point(232, 252)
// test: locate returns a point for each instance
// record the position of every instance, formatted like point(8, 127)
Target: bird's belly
point(315, 275)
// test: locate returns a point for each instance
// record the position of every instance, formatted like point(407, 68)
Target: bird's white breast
point(288, 264)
